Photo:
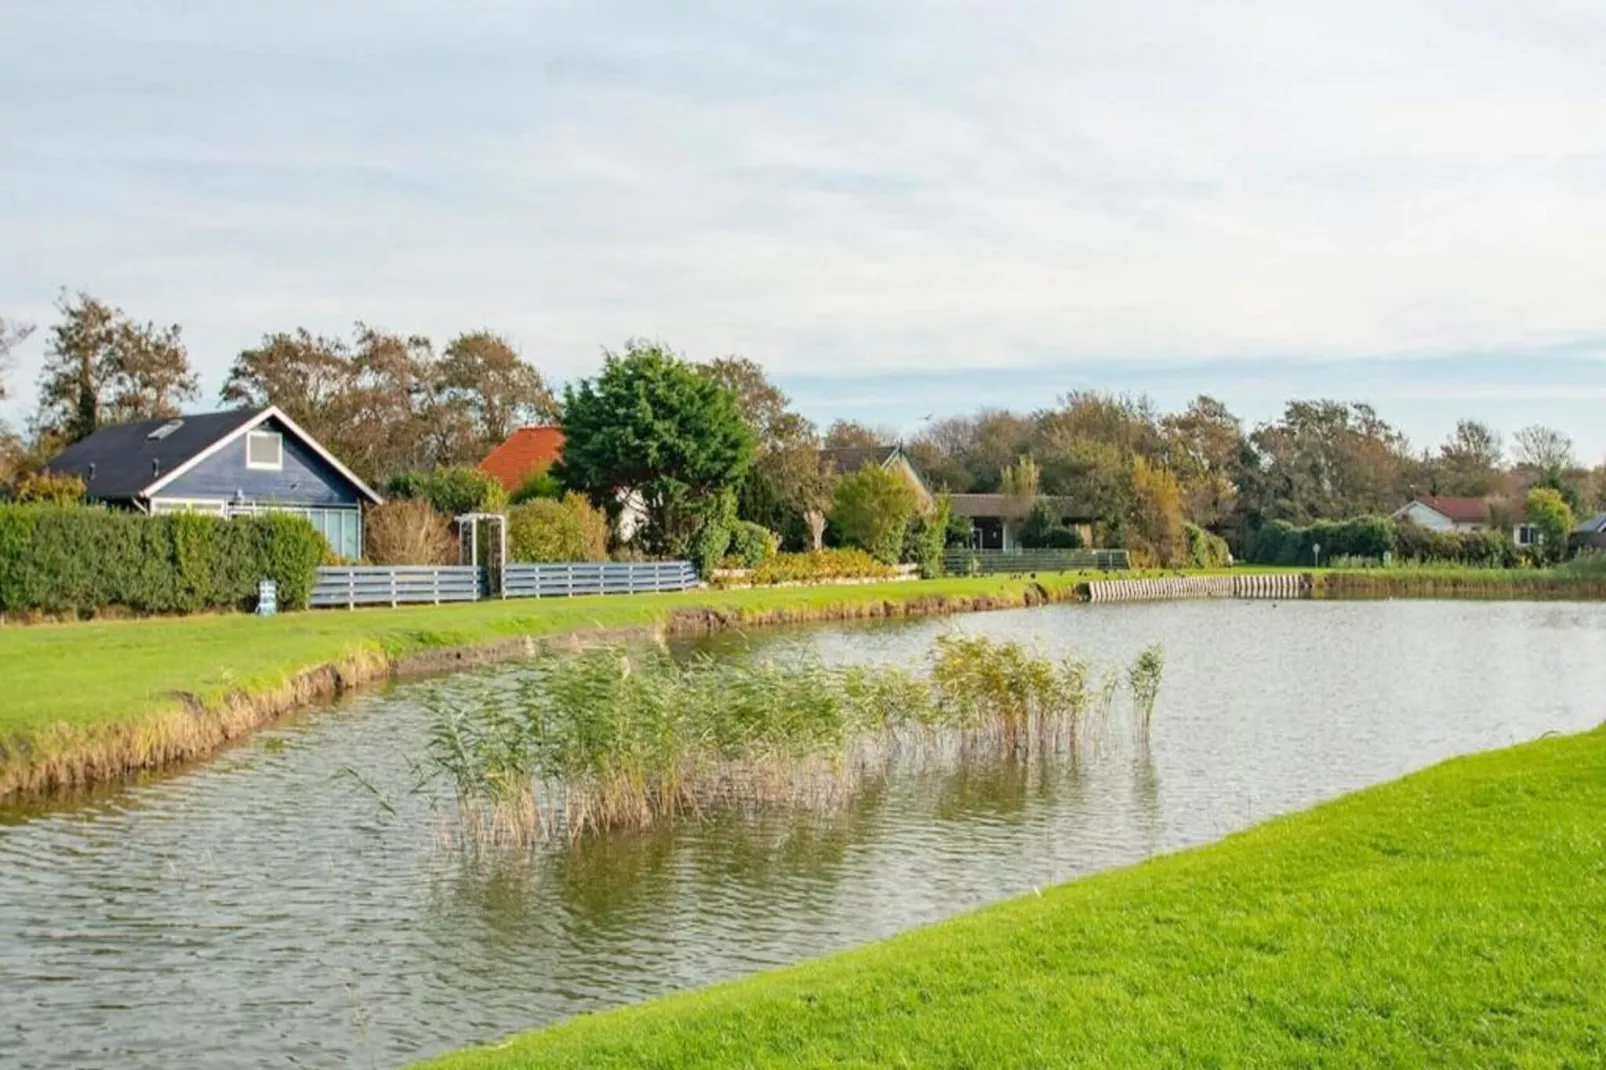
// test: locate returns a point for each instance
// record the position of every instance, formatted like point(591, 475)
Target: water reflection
point(265, 910)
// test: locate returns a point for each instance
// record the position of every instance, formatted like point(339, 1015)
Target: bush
point(594, 528)
point(538, 484)
point(1280, 543)
point(409, 532)
point(43, 488)
point(544, 530)
point(872, 510)
point(1205, 550)
point(752, 544)
point(56, 559)
point(925, 538)
point(708, 548)
point(452, 490)
point(1043, 531)
point(820, 565)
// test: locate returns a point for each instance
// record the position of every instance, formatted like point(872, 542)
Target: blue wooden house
point(224, 464)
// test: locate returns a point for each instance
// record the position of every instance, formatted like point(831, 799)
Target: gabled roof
point(1002, 505)
point(126, 462)
point(1593, 526)
point(525, 450)
point(846, 460)
point(1460, 510)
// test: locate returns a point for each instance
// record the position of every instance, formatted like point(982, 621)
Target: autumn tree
point(1468, 463)
point(306, 376)
point(103, 367)
point(1549, 512)
point(786, 485)
point(1325, 459)
point(849, 434)
point(651, 429)
point(1204, 446)
point(484, 391)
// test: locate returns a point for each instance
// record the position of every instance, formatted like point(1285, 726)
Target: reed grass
point(623, 738)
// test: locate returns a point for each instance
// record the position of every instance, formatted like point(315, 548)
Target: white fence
point(602, 577)
point(396, 585)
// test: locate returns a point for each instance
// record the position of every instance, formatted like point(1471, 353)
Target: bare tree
point(1543, 448)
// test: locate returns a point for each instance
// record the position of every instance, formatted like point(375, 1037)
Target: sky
point(901, 209)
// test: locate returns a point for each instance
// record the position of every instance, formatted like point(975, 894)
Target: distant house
point(526, 452)
point(1438, 513)
point(222, 464)
point(1590, 535)
point(845, 461)
point(996, 519)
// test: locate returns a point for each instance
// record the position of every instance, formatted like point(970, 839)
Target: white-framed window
point(264, 450)
point(1528, 535)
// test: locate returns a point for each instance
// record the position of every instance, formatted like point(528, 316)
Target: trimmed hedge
point(752, 544)
point(76, 559)
point(1370, 537)
point(1205, 549)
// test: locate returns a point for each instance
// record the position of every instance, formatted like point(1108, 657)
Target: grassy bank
point(1584, 583)
point(1454, 918)
point(92, 701)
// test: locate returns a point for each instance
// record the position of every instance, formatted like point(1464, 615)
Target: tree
point(764, 406)
point(12, 334)
point(306, 376)
point(392, 421)
point(1543, 449)
point(651, 429)
point(1156, 522)
point(848, 434)
point(1019, 485)
point(487, 390)
point(1549, 513)
point(1468, 464)
point(1325, 459)
point(101, 366)
point(873, 507)
point(1205, 448)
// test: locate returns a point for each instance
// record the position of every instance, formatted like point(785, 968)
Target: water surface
point(266, 910)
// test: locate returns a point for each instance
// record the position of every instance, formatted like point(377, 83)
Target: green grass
point(110, 672)
point(1453, 918)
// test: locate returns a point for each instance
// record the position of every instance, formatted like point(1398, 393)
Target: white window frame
point(253, 436)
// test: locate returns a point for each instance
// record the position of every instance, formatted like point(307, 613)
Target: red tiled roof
point(1461, 510)
point(526, 450)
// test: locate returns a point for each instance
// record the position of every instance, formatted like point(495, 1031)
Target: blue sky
point(900, 208)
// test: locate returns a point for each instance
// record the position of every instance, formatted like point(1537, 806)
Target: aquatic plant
point(1144, 680)
point(623, 738)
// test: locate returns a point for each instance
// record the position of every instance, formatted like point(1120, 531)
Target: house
point(996, 519)
point(1437, 513)
point(527, 451)
point(222, 464)
point(846, 460)
point(1590, 535)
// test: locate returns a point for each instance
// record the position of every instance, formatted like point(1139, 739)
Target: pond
point(269, 910)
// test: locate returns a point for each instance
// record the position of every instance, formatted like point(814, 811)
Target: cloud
point(904, 189)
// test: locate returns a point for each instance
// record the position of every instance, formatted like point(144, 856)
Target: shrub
point(818, 566)
point(1205, 550)
point(57, 559)
point(45, 488)
point(708, 548)
point(544, 529)
point(752, 544)
point(1043, 531)
point(538, 484)
point(452, 490)
point(1280, 543)
point(872, 510)
point(1548, 511)
point(924, 539)
point(409, 532)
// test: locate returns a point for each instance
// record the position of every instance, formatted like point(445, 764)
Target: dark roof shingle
point(117, 463)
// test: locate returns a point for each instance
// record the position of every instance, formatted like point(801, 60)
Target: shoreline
point(186, 722)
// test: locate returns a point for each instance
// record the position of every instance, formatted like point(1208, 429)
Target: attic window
point(166, 429)
point(264, 450)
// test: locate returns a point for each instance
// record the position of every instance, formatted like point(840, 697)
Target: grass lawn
point(1453, 918)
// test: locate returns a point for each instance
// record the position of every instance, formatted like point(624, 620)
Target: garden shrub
point(73, 559)
point(452, 490)
point(818, 566)
point(872, 510)
point(409, 531)
point(1043, 531)
point(1205, 549)
point(45, 488)
point(544, 529)
point(752, 544)
point(538, 484)
point(925, 538)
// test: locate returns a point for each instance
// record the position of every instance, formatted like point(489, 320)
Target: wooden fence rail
point(986, 562)
point(396, 585)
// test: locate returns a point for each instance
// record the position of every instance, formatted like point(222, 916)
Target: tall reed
point(623, 738)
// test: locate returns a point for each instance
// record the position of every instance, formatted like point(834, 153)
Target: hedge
point(77, 559)
point(1205, 549)
point(1370, 537)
